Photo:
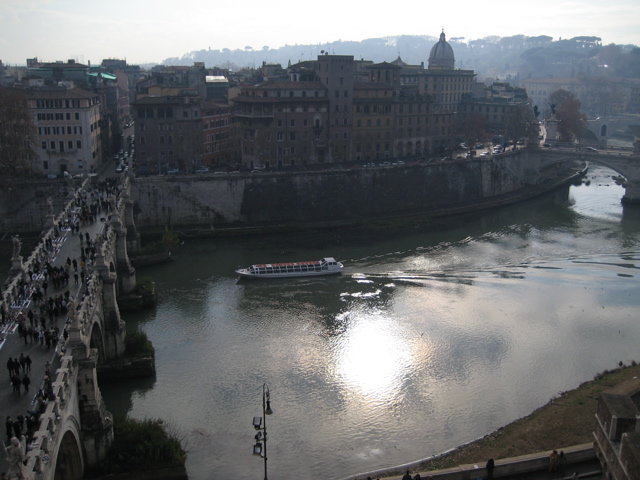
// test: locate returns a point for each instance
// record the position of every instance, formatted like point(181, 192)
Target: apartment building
point(69, 129)
point(365, 111)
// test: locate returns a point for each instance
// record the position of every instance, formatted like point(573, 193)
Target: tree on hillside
point(17, 133)
point(572, 122)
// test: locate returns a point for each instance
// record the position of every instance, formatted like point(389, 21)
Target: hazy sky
point(144, 31)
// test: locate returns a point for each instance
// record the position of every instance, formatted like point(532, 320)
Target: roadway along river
point(428, 340)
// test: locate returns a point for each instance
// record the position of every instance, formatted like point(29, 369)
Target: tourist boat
point(326, 266)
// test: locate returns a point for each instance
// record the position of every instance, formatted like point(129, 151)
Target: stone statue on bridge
point(49, 206)
point(17, 245)
point(16, 456)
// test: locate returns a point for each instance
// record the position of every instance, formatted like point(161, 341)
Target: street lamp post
point(258, 424)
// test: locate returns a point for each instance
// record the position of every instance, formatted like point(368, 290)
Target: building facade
point(283, 124)
point(361, 111)
point(220, 138)
point(69, 125)
point(168, 134)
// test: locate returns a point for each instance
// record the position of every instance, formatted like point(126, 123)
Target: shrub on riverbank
point(141, 445)
point(169, 240)
point(137, 344)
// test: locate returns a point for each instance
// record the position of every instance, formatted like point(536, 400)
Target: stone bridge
point(626, 162)
point(75, 429)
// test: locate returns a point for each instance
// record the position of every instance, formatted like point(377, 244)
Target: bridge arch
point(69, 461)
point(626, 166)
point(96, 338)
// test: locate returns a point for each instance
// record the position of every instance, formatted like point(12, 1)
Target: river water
point(428, 340)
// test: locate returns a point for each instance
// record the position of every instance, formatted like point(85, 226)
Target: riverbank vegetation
point(568, 419)
point(141, 445)
point(138, 345)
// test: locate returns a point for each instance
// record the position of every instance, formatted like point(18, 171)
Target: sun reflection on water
point(372, 357)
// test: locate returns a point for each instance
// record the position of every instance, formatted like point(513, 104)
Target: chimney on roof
point(71, 61)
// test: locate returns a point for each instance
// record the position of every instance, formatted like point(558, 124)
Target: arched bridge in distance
point(76, 430)
point(626, 162)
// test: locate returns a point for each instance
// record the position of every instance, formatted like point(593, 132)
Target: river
point(429, 339)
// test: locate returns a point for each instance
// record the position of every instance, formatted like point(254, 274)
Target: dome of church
point(441, 56)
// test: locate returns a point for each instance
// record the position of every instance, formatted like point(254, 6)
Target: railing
point(44, 440)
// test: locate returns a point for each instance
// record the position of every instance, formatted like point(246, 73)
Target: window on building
point(78, 143)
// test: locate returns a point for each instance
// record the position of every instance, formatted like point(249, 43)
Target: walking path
point(67, 245)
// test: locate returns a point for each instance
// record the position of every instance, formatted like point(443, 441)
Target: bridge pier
point(114, 326)
point(133, 237)
point(96, 421)
point(126, 273)
point(631, 193)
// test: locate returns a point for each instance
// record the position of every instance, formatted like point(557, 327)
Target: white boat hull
point(326, 266)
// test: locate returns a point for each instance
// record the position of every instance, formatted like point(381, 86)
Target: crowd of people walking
point(40, 297)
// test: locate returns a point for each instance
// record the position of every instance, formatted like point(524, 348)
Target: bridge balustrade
point(41, 449)
point(62, 410)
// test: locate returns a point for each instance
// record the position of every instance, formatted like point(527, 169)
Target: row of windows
point(162, 112)
point(216, 137)
point(216, 123)
point(57, 116)
point(373, 108)
point(484, 108)
point(62, 103)
point(59, 130)
point(217, 147)
point(162, 139)
point(289, 93)
point(267, 110)
point(61, 145)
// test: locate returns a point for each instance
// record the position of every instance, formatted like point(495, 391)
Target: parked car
point(591, 149)
point(203, 170)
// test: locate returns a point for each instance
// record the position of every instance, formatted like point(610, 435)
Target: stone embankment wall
point(222, 200)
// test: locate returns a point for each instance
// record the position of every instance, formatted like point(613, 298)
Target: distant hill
point(502, 58)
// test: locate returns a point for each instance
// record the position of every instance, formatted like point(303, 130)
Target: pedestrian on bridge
point(9, 425)
point(16, 382)
point(26, 381)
